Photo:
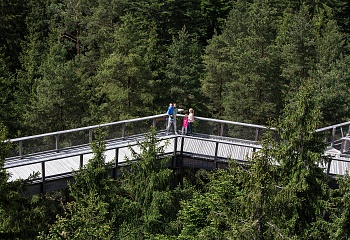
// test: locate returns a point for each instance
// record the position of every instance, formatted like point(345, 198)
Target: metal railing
point(216, 139)
point(334, 134)
point(203, 148)
point(55, 141)
point(79, 136)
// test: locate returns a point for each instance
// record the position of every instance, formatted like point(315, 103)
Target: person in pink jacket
point(190, 120)
point(184, 124)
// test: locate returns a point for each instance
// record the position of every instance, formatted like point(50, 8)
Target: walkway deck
point(59, 162)
point(65, 160)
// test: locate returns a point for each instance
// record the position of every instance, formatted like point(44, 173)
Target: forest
point(74, 63)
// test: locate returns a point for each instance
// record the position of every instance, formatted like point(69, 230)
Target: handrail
point(122, 123)
point(333, 126)
point(86, 128)
point(231, 122)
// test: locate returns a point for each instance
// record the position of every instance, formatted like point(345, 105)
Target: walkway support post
point(115, 172)
point(81, 164)
point(175, 150)
point(328, 167)
point(216, 155)
point(43, 177)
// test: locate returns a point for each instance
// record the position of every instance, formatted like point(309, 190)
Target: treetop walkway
point(54, 156)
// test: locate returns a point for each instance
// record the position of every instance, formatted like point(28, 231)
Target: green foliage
point(338, 228)
point(94, 176)
point(21, 217)
point(183, 71)
point(56, 104)
point(7, 115)
point(94, 208)
point(147, 185)
point(124, 78)
point(242, 66)
point(70, 63)
point(300, 154)
point(83, 219)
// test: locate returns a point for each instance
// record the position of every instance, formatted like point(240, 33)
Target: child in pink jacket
point(184, 124)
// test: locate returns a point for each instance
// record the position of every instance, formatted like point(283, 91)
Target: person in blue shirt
point(169, 117)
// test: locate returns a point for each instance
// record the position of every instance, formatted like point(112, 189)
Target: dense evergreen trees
point(76, 63)
point(66, 64)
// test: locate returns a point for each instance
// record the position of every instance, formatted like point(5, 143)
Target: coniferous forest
point(73, 63)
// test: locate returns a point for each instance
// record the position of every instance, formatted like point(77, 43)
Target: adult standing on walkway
point(169, 117)
point(175, 111)
point(190, 120)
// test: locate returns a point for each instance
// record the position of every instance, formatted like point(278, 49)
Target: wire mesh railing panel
point(124, 153)
point(192, 146)
point(241, 132)
point(24, 172)
point(206, 127)
point(36, 145)
point(339, 167)
point(236, 152)
point(333, 134)
point(13, 150)
point(139, 127)
point(72, 139)
point(161, 123)
point(112, 132)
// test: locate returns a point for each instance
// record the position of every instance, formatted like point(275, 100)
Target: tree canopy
point(283, 64)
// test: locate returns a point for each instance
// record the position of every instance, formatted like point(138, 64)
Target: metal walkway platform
point(237, 141)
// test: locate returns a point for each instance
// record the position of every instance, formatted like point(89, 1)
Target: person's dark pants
point(190, 127)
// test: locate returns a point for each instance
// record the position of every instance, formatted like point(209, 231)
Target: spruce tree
point(300, 153)
point(93, 211)
point(147, 187)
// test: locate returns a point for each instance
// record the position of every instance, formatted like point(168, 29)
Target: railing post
point(256, 134)
point(222, 129)
point(175, 151)
point(123, 130)
point(329, 167)
point(81, 163)
point(182, 146)
point(43, 177)
point(57, 137)
point(154, 123)
point(90, 135)
point(116, 163)
point(333, 137)
point(20, 150)
point(216, 155)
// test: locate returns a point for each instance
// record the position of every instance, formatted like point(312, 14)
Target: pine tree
point(147, 186)
point(124, 80)
point(331, 71)
point(241, 65)
point(183, 71)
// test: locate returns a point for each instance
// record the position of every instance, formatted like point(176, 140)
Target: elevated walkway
point(66, 151)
